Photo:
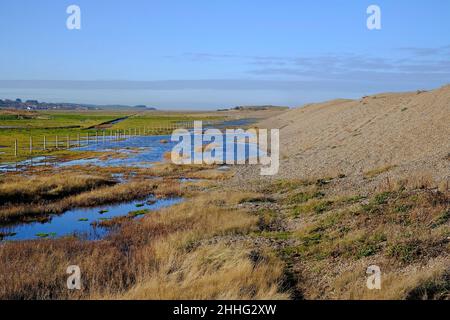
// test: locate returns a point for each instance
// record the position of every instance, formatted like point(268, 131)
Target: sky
point(209, 54)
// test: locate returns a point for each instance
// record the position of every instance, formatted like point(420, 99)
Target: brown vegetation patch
point(331, 240)
point(157, 257)
point(118, 193)
point(22, 189)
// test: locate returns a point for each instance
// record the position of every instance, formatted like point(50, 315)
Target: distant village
point(36, 105)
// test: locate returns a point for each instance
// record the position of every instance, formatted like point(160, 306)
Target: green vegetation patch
point(256, 199)
point(312, 206)
point(46, 235)
point(376, 204)
point(301, 197)
point(404, 252)
point(138, 213)
point(442, 219)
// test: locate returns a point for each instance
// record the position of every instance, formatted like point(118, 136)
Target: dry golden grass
point(211, 174)
point(111, 223)
point(102, 195)
point(168, 189)
point(24, 189)
point(160, 256)
point(377, 171)
point(423, 180)
point(418, 281)
point(212, 272)
point(183, 252)
point(167, 170)
point(135, 189)
point(43, 191)
point(208, 172)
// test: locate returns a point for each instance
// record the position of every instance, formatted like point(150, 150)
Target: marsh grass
point(38, 192)
point(42, 204)
point(110, 223)
point(22, 189)
point(163, 170)
point(160, 256)
point(182, 252)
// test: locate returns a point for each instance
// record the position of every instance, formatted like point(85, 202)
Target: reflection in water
point(138, 151)
point(78, 221)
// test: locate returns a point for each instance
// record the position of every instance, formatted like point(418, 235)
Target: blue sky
point(215, 53)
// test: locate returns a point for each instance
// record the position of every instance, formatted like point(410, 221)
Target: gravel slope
point(408, 131)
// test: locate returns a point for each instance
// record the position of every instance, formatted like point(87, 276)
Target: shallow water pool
point(78, 221)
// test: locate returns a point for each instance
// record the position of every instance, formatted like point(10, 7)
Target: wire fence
point(44, 144)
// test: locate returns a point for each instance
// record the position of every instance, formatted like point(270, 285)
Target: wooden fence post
point(15, 148)
point(45, 143)
point(56, 142)
point(31, 145)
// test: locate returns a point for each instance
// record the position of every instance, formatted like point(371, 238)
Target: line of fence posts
point(114, 135)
